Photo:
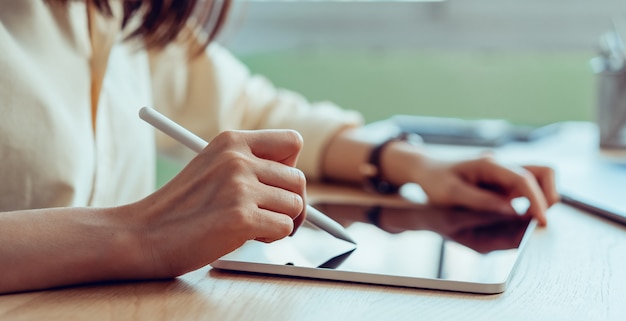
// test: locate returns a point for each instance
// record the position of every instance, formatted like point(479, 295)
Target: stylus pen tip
point(327, 224)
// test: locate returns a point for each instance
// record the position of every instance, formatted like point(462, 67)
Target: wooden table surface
point(575, 269)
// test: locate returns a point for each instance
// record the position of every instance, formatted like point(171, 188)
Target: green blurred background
point(529, 88)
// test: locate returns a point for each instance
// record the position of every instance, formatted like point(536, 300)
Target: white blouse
point(55, 57)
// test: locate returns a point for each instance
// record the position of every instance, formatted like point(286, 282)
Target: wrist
point(127, 254)
point(392, 163)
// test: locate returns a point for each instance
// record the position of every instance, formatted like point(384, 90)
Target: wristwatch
point(375, 180)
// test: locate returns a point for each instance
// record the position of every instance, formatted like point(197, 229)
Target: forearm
point(346, 156)
point(55, 247)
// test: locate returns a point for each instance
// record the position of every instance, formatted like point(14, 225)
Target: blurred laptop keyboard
point(482, 132)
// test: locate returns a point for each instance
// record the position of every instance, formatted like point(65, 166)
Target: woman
point(76, 200)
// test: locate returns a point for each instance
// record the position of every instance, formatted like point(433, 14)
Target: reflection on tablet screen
point(430, 242)
point(417, 246)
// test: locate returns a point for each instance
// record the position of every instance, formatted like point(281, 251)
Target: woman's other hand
point(484, 184)
point(478, 184)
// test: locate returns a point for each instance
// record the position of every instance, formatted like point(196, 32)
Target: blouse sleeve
point(214, 92)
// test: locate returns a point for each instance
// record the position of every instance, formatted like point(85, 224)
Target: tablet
point(409, 246)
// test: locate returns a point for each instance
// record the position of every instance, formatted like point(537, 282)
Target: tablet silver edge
point(379, 279)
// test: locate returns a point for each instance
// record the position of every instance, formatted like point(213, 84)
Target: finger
point(270, 226)
point(282, 176)
point(285, 179)
point(478, 199)
point(297, 222)
point(280, 201)
point(547, 182)
point(520, 182)
point(282, 146)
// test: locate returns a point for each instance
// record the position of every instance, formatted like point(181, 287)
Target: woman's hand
point(242, 186)
point(484, 184)
point(478, 184)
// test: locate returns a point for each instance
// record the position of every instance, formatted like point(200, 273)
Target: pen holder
point(610, 108)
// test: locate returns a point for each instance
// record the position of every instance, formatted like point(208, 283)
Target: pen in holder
point(610, 111)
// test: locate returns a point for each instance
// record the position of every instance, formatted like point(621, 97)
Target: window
point(523, 60)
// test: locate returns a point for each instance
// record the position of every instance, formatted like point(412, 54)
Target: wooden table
point(575, 269)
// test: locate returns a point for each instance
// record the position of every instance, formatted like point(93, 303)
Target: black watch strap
point(376, 180)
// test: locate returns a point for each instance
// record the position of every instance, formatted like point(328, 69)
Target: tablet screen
point(414, 246)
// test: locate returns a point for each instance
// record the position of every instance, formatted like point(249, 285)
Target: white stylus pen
point(197, 144)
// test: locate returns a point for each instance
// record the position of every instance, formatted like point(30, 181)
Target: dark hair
point(162, 21)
